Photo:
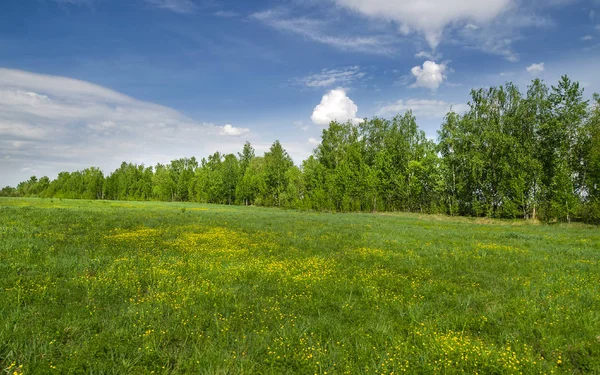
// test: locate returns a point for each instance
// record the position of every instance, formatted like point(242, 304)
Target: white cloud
point(422, 108)
point(430, 76)
point(536, 68)
point(18, 130)
point(331, 77)
point(69, 124)
point(427, 55)
point(587, 37)
point(316, 30)
point(335, 106)
point(232, 131)
point(429, 17)
point(102, 126)
point(313, 141)
point(177, 6)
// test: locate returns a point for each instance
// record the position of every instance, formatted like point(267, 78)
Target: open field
point(132, 287)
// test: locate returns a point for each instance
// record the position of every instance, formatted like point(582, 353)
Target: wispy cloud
point(499, 36)
point(177, 6)
point(421, 108)
point(427, 55)
point(74, 2)
point(50, 123)
point(301, 125)
point(332, 77)
point(226, 14)
point(317, 30)
point(489, 41)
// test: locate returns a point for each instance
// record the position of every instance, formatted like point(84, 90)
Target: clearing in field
point(129, 287)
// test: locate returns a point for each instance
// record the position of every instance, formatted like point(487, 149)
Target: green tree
point(93, 181)
point(589, 168)
point(558, 150)
point(230, 173)
point(8, 191)
point(252, 187)
point(314, 180)
point(163, 185)
point(245, 157)
point(277, 163)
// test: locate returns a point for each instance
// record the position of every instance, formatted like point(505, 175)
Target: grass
point(131, 287)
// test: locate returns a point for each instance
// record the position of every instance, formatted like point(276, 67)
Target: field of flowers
point(158, 288)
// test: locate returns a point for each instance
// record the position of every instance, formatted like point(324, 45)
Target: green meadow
point(107, 287)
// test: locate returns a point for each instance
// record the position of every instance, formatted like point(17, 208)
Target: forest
point(533, 155)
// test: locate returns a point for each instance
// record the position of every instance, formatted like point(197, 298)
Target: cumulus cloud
point(332, 77)
point(430, 75)
point(587, 37)
point(335, 106)
point(49, 124)
point(232, 131)
point(429, 17)
point(423, 108)
point(536, 68)
point(313, 141)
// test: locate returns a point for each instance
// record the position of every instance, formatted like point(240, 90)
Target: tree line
point(511, 155)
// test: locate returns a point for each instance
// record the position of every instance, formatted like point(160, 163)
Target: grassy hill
point(133, 287)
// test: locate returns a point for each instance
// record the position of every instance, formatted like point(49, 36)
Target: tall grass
point(114, 287)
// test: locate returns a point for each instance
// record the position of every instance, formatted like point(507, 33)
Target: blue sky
point(97, 82)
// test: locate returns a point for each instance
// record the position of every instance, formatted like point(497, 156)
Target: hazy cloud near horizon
point(49, 124)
